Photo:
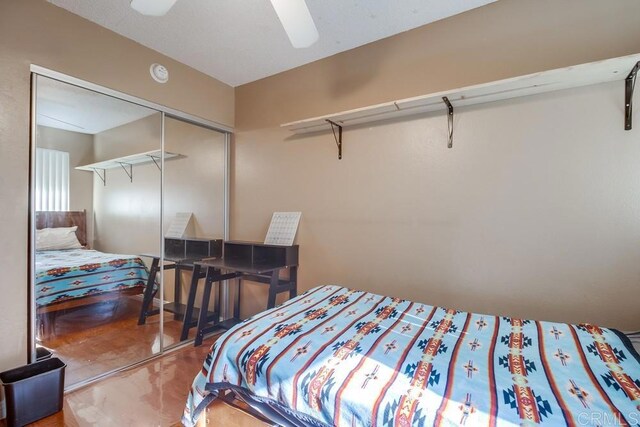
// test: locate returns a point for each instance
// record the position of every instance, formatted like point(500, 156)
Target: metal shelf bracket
point(449, 120)
point(629, 83)
point(338, 138)
point(102, 177)
point(155, 162)
point(128, 169)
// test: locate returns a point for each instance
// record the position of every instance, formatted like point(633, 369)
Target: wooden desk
point(243, 261)
point(180, 255)
point(178, 264)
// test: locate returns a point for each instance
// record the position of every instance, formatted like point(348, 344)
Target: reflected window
point(52, 180)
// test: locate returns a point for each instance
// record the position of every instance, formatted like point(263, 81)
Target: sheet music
point(178, 225)
point(283, 228)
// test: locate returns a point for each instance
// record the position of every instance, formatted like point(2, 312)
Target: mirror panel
point(194, 217)
point(94, 170)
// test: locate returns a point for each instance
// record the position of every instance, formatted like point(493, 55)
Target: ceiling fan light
point(152, 7)
point(297, 22)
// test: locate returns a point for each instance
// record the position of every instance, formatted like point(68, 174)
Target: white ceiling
point(63, 106)
point(239, 41)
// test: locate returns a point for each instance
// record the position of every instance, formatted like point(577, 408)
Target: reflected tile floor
point(153, 394)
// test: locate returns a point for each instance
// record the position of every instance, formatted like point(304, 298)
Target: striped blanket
point(340, 357)
point(76, 273)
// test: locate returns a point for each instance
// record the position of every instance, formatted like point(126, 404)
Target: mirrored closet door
point(97, 213)
point(194, 222)
point(124, 198)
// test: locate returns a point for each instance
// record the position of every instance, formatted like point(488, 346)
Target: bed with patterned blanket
point(340, 357)
point(63, 275)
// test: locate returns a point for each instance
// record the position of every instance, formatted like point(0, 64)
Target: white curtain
point(52, 180)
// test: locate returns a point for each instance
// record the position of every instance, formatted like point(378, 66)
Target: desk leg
point(293, 278)
point(147, 299)
point(191, 299)
point(204, 307)
point(273, 285)
point(216, 304)
point(236, 303)
point(177, 289)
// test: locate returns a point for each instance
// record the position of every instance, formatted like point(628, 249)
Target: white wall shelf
point(546, 81)
point(127, 163)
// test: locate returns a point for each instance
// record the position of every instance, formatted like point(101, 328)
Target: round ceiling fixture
point(159, 73)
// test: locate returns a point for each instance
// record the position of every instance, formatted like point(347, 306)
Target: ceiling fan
point(294, 16)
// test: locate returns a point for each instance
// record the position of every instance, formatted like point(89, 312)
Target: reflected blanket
point(75, 273)
point(337, 356)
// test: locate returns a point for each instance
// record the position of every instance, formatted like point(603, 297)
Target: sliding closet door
point(194, 219)
point(96, 190)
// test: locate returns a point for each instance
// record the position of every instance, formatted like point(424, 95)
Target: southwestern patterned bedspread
point(75, 273)
point(337, 356)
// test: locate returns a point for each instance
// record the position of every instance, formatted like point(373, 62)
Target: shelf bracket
point(155, 162)
point(128, 169)
point(449, 120)
point(338, 138)
point(102, 177)
point(630, 84)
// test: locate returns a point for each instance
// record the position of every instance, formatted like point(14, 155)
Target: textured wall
point(127, 211)
point(533, 213)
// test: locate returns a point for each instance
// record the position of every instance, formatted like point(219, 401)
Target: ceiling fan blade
point(297, 22)
point(152, 7)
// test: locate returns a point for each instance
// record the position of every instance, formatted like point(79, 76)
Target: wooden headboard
point(49, 219)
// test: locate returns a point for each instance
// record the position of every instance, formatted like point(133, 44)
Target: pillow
point(49, 239)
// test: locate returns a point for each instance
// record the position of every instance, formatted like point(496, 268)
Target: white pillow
point(49, 239)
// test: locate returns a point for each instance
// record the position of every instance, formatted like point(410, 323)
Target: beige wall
point(36, 32)
point(80, 149)
point(131, 138)
point(195, 182)
point(127, 211)
point(534, 211)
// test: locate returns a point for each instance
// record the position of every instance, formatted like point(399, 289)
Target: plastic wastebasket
point(33, 391)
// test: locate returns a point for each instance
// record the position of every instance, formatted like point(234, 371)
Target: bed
point(80, 276)
point(338, 356)
point(73, 274)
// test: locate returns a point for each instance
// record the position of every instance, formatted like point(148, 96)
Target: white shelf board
point(531, 84)
point(134, 159)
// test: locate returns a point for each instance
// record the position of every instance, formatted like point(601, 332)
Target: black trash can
point(33, 391)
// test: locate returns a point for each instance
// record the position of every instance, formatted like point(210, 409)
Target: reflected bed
point(64, 275)
point(68, 278)
point(337, 356)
